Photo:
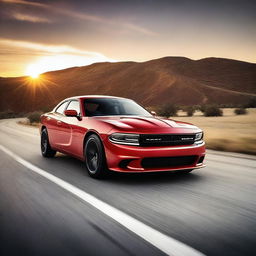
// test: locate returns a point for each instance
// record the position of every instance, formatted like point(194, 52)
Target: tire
point(46, 149)
point(95, 159)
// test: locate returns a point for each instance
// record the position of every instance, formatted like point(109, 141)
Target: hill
point(170, 79)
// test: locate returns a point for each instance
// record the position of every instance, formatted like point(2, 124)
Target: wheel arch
point(88, 134)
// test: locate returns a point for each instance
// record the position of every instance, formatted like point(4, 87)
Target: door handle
point(59, 122)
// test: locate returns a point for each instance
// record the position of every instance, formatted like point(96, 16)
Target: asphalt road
point(212, 210)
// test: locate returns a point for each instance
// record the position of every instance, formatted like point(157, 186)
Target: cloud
point(40, 58)
point(48, 49)
point(140, 29)
point(30, 18)
point(84, 16)
point(25, 3)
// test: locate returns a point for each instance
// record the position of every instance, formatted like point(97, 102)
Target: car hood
point(147, 124)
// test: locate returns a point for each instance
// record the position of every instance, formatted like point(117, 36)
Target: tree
point(190, 110)
point(212, 110)
point(240, 111)
point(34, 117)
point(168, 110)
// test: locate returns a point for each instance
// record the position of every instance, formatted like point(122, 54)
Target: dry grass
point(26, 122)
point(236, 133)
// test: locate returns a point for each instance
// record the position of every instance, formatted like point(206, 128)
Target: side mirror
point(70, 112)
point(153, 113)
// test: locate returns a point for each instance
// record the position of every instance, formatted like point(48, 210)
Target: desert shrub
point(197, 107)
point(212, 110)
point(251, 103)
point(34, 117)
point(168, 110)
point(190, 110)
point(229, 105)
point(202, 108)
point(46, 109)
point(182, 107)
point(240, 111)
point(7, 114)
point(151, 109)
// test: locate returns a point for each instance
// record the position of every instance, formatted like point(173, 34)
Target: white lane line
point(167, 244)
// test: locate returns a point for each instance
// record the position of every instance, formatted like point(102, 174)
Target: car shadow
point(131, 178)
point(153, 178)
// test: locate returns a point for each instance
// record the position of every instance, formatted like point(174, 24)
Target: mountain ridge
point(179, 80)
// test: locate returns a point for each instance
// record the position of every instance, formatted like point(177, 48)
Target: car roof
point(94, 96)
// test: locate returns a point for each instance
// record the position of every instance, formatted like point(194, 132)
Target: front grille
point(165, 162)
point(154, 140)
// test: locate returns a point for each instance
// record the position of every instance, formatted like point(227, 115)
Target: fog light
point(201, 159)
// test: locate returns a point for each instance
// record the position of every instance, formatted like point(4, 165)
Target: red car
point(113, 133)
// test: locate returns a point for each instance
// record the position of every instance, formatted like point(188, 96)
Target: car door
point(76, 133)
point(78, 129)
point(60, 128)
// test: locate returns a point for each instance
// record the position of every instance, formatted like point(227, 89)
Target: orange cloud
point(30, 18)
point(46, 48)
point(35, 58)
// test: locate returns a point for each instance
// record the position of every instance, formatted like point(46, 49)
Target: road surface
point(210, 211)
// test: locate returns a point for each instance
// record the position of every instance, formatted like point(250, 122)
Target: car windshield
point(113, 106)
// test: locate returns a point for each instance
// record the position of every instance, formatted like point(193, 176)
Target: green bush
point(202, 108)
point(240, 111)
point(34, 117)
point(212, 110)
point(168, 110)
point(197, 107)
point(190, 110)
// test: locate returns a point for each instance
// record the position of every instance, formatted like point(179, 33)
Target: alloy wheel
point(92, 156)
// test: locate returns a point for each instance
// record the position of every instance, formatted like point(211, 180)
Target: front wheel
point(95, 157)
point(46, 149)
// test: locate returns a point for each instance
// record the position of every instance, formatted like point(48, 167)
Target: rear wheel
point(46, 149)
point(95, 157)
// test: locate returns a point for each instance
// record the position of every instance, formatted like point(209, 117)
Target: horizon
point(42, 36)
point(56, 70)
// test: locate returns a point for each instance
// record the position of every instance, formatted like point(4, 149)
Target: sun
point(35, 75)
point(58, 62)
point(33, 71)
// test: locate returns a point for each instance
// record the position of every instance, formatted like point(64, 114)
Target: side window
point(74, 105)
point(61, 108)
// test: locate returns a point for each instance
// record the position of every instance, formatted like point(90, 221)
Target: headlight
point(199, 136)
point(125, 138)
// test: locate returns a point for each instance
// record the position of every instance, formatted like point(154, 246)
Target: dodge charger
point(113, 133)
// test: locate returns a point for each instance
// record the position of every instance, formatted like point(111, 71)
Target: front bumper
point(125, 158)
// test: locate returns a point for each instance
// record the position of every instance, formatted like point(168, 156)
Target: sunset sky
point(37, 36)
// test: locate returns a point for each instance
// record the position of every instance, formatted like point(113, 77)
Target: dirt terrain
point(229, 132)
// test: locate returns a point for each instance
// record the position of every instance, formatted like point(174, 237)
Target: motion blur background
point(192, 61)
point(170, 56)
